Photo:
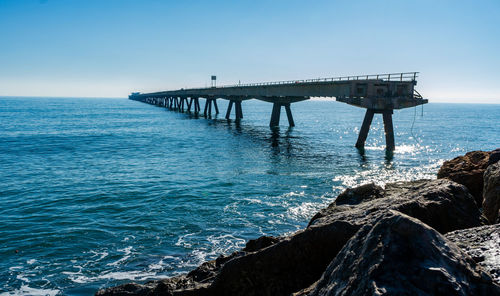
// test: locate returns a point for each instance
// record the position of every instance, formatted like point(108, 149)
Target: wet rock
point(400, 255)
point(467, 170)
point(491, 193)
point(482, 244)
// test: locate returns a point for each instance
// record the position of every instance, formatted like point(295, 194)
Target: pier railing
point(405, 76)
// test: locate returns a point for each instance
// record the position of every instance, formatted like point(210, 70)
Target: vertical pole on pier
point(189, 103)
point(229, 107)
point(289, 115)
point(181, 105)
point(209, 108)
point(215, 105)
point(239, 111)
point(275, 115)
point(363, 133)
point(389, 131)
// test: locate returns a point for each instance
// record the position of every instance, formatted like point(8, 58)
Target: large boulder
point(491, 193)
point(271, 266)
point(467, 170)
point(494, 156)
point(441, 204)
point(400, 255)
point(482, 244)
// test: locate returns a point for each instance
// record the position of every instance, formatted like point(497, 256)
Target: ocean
point(99, 192)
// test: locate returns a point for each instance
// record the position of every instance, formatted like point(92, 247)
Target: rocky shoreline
point(425, 237)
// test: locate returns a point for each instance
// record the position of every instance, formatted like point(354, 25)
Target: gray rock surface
point(482, 244)
point(491, 193)
point(399, 255)
point(441, 204)
point(357, 195)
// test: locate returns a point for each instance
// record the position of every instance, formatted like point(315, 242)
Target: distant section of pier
point(379, 93)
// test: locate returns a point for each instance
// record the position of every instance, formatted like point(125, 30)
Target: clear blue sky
point(109, 48)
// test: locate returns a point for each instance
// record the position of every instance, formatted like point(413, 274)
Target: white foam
point(26, 290)
point(127, 252)
point(127, 275)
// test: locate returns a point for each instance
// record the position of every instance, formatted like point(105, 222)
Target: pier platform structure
point(378, 94)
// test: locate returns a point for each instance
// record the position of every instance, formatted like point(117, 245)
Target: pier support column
point(237, 109)
point(189, 103)
point(389, 131)
point(229, 107)
point(363, 133)
point(215, 105)
point(275, 115)
point(197, 105)
point(289, 115)
point(208, 107)
point(181, 104)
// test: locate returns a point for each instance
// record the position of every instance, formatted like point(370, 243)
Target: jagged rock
point(491, 192)
point(442, 204)
point(467, 170)
point(260, 243)
point(494, 156)
point(482, 244)
point(356, 195)
point(179, 285)
point(295, 262)
point(400, 255)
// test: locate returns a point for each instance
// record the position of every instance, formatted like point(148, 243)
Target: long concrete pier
point(378, 94)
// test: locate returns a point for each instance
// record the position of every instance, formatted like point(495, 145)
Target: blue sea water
point(99, 192)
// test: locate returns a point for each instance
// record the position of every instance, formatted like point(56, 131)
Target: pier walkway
point(379, 94)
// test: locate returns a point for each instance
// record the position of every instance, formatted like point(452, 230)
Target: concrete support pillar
point(275, 115)
point(289, 115)
point(215, 105)
point(206, 108)
point(229, 107)
point(363, 133)
point(189, 103)
point(389, 131)
point(239, 111)
point(197, 105)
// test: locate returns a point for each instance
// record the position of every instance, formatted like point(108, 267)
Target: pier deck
point(379, 93)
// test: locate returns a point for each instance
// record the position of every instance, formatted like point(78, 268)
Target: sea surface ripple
point(99, 192)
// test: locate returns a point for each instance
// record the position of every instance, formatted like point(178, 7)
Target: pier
point(378, 94)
